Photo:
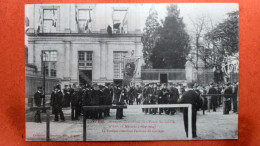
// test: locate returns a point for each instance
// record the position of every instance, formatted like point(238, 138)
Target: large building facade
point(71, 42)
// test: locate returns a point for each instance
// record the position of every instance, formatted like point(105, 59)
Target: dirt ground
point(135, 126)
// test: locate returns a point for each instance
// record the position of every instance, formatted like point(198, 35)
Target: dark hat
point(39, 88)
point(107, 84)
point(101, 87)
point(190, 84)
point(57, 87)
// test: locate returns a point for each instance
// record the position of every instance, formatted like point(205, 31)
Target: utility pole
point(43, 86)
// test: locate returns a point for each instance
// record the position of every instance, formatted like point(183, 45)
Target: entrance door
point(163, 78)
point(85, 77)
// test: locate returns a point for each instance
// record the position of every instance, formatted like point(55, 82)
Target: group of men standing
point(160, 94)
point(84, 95)
point(201, 97)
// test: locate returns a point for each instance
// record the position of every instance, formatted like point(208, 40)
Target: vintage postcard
point(131, 72)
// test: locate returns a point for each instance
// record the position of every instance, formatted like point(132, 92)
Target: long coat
point(66, 100)
point(38, 98)
point(108, 96)
point(57, 99)
point(214, 98)
point(173, 95)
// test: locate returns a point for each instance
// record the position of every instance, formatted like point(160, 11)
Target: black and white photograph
point(131, 72)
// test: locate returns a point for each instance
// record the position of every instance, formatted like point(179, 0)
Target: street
point(135, 126)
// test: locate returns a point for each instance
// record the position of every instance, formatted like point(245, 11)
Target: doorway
point(163, 78)
point(85, 77)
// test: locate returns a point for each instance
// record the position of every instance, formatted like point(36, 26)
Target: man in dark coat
point(153, 99)
point(139, 94)
point(213, 99)
point(190, 97)
point(38, 96)
point(227, 99)
point(109, 30)
point(57, 104)
point(173, 97)
point(165, 93)
point(145, 98)
point(204, 103)
point(86, 100)
point(131, 95)
point(149, 95)
point(102, 101)
point(234, 98)
point(219, 97)
point(94, 100)
point(119, 100)
point(75, 103)
point(158, 96)
point(108, 95)
point(66, 92)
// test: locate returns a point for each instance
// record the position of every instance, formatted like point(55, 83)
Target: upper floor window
point(84, 20)
point(120, 21)
point(118, 59)
point(50, 18)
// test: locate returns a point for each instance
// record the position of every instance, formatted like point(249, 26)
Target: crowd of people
point(201, 97)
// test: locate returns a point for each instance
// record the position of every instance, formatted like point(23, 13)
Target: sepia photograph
point(131, 72)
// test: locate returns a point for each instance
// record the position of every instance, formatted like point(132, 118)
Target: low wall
point(153, 75)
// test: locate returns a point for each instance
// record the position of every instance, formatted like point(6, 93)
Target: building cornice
point(93, 35)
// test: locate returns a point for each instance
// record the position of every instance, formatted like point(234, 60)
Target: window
point(85, 59)
point(85, 20)
point(119, 63)
point(120, 21)
point(49, 60)
point(50, 17)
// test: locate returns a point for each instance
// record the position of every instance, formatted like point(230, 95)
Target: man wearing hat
point(132, 93)
point(108, 98)
point(149, 95)
point(119, 100)
point(75, 103)
point(66, 101)
point(95, 100)
point(227, 99)
point(144, 97)
point(190, 97)
point(139, 94)
point(158, 96)
point(234, 98)
point(38, 96)
point(165, 93)
point(173, 97)
point(212, 100)
point(56, 103)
